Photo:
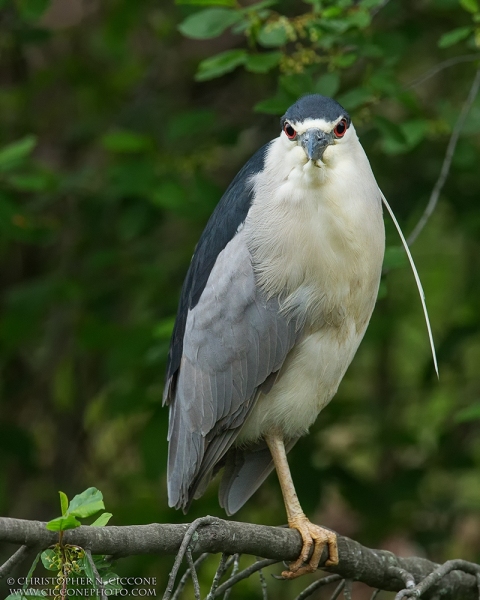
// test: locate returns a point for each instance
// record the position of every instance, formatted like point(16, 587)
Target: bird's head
point(316, 123)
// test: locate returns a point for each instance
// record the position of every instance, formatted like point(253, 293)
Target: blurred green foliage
point(112, 157)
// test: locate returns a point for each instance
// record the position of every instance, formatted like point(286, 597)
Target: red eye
point(289, 131)
point(341, 128)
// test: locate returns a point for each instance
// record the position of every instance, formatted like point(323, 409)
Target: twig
point(347, 592)
point(222, 567)
point(407, 578)
point(186, 575)
point(19, 556)
point(447, 161)
point(98, 581)
point(263, 585)
point(260, 564)
point(307, 592)
point(375, 594)
point(431, 580)
point(375, 11)
point(193, 573)
point(338, 590)
point(451, 62)
point(236, 566)
point(234, 559)
point(181, 552)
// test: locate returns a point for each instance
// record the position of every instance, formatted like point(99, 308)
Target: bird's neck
point(316, 232)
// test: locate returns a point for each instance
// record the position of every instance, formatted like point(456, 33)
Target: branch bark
point(377, 568)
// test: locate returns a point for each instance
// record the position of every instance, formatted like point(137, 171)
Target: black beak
point(314, 142)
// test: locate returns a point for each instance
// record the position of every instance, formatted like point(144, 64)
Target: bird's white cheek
point(329, 154)
point(298, 153)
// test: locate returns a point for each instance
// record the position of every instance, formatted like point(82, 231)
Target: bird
point(277, 298)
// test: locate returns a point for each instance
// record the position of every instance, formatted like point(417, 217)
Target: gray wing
point(245, 471)
point(234, 339)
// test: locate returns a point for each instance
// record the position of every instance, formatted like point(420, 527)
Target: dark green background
point(119, 157)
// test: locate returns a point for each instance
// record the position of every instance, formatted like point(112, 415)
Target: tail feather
point(245, 471)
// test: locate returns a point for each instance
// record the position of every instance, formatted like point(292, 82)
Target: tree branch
point(447, 161)
point(450, 62)
point(377, 568)
point(20, 555)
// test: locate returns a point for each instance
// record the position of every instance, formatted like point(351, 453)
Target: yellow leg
point(312, 535)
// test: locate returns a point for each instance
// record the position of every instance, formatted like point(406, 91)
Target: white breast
point(317, 239)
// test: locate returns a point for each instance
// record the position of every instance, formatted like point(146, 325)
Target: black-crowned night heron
point(277, 298)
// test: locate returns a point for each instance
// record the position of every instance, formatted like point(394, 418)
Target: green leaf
point(359, 18)
point(13, 154)
point(125, 141)
point(454, 36)
point(86, 566)
point(38, 181)
point(412, 133)
point(262, 63)
point(102, 520)
point(415, 131)
point(332, 12)
point(209, 23)
point(50, 560)
point(470, 6)
point(258, 6)
point(297, 84)
point(86, 504)
point(111, 583)
point(31, 570)
point(354, 98)
point(63, 502)
point(273, 106)
point(32, 9)
point(231, 3)
point(328, 84)
point(273, 35)
point(343, 61)
point(334, 26)
point(102, 562)
point(220, 64)
point(63, 523)
point(471, 413)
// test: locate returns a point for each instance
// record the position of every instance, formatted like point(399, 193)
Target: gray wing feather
point(245, 471)
point(234, 339)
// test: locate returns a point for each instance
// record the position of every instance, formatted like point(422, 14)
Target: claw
point(318, 537)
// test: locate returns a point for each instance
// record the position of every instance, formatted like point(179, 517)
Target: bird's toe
point(318, 537)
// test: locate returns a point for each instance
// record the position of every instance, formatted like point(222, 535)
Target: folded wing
point(234, 339)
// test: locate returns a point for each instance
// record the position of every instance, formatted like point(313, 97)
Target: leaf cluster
point(71, 563)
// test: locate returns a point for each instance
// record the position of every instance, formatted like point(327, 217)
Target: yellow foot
point(318, 537)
